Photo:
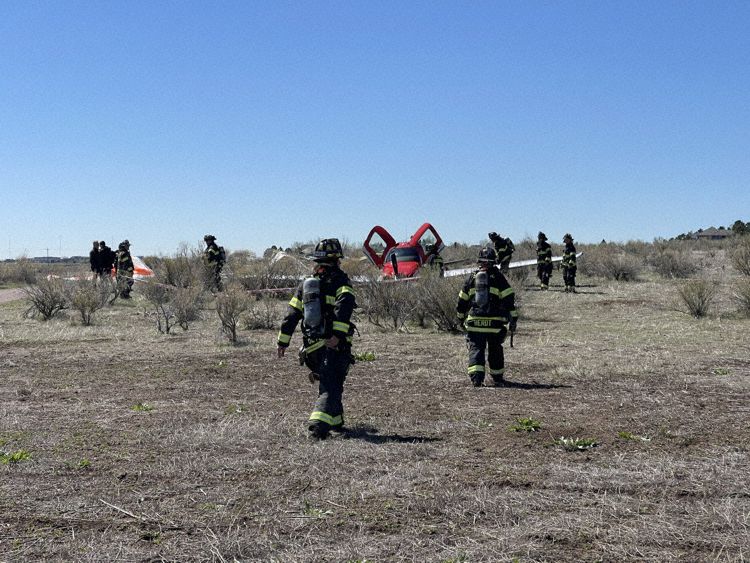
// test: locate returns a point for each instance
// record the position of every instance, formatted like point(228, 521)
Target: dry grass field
point(132, 445)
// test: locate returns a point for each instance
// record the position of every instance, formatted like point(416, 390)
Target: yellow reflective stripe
point(475, 369)
point(514, 314)
point(315, 346)
point(463, 295)
point(327, 418)
point(284, 338)
point(295, 303)
point(500, 371)
point(489, 330)
point(495, 291)
point(472, 291)
point(344, 289)
point(341, 327)
point(506, 292)
point(330, 300)
point(471, 318)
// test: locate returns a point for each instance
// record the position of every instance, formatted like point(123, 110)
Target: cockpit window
point(403, 255)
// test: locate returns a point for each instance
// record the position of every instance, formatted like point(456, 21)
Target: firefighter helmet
point(209, 238)
point(328, 250)
point(568, 237)
point(541, 236)
point(493, 236)
point(487, 254)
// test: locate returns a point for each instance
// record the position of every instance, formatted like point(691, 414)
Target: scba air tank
point(482, 287)
point(313, 308)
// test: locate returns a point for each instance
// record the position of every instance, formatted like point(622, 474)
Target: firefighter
point(543, 261)
point(124, 267)
point(214, 257)
point(489, 300)
point(434, 260)
point(324, 303)
point(504, 249)
point(106, 260)
point(94, 259)
point(569, 264)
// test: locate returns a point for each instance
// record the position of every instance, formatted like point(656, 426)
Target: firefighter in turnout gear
point(504, 249)
point(569, 264)
point(107, 259)
point(486, 306)
point(124, 266)
point(324, 303)
point(214, 257)
point(543, 261)
point(434, 260)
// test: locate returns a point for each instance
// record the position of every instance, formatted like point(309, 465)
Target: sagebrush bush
point(741, 256)
point(741, 294)
point(87, 297)
point(47, 298)
point(697, 296)
point(610, 262)
point(265, 312)
point(436, 300)
point(159, 296)
point(20, 271)
point(673, 263)
point(230, 305)
point(186, 304)
point(387, 304)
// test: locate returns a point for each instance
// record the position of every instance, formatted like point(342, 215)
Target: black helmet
point(487, 254)
point(567, 237)
point(541, 236)
point(493, 235)
point(328, 250)
point(102, 243)
point(122, 246)
point(209, 238)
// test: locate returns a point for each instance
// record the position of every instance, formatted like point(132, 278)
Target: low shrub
point(436, 299)
point(264, 312)
point(186, 304)
point(741, 256)
point(19, 271)
point(388, 304)
point(697, 296)
point(230, 305)
point(47, 298)
point(608, 261)
point(741, 295)
point(159, 296)
point(87, 298)
point(672, 263)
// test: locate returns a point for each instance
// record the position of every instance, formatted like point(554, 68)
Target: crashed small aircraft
point(403, 260)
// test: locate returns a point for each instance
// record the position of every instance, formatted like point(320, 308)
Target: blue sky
point(273, 122)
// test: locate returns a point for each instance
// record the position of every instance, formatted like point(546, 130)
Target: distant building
point(713, 234)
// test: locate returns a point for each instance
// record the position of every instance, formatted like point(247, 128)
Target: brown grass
point(220, 468)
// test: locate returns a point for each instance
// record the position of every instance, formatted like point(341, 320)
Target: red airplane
point(403, 259)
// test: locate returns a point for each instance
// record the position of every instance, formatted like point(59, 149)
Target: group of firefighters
point(324, 303)
point(104, 260)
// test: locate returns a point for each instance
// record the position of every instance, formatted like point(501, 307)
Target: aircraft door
point(377, 244)
point(426, 234)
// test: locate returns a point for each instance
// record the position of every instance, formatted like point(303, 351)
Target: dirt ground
point(150, 447)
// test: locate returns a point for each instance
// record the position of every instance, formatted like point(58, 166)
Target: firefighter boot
point(318, 430)
point(476, 381)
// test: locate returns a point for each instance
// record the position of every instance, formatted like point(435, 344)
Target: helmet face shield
point(487, 256)
point(328, 250)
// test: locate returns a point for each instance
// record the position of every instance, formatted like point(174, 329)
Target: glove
point(513, 324)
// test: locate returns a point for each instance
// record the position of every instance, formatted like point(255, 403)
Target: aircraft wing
point(512, 266)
